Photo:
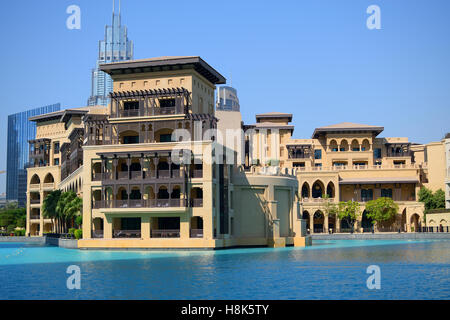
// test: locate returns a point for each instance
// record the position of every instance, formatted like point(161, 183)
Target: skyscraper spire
point(115, 47)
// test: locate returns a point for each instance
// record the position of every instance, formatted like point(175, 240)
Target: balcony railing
point(365, 167)
point(196, 203)
point(197, 174)
point(129, 113)
point(123, 175)
point(126, 233)
point(151, 111)
point(97, 234)
point(35, 186)
point(97, 176)
point(164, 111)
point(49, 185)
point(35, 201)
point(151, 203)
point(163, 174)
point(174, 233)
point(399, 154)
point(35, 217)
point(317, 200)
point(196, 233)
point(138, 175)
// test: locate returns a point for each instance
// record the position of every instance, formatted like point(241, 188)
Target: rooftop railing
point(363, 167)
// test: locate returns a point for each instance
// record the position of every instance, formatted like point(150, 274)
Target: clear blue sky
point(315, 59)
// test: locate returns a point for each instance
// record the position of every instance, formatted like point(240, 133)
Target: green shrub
point(78, 234)
point(19, 233)
point(72, 230)
point(10, 228)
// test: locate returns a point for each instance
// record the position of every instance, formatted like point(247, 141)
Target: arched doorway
point(319, 220)
point(305, 216)
point(415, 219)
point(403, 221)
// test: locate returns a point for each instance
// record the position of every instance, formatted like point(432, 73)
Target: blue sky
point(313, 58)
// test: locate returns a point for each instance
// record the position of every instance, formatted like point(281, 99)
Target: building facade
point(115, 47)
point(154, 171)
point(48, 161)
point(20, 131)
point(342, 162)
point(447, 171)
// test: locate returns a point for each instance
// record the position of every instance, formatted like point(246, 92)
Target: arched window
point(35, 179)
point(49, 178)
point(305, 190)
point(333, 146)
point(355, 145)
point(317, 189)
point(343, 146)
point(331, 190)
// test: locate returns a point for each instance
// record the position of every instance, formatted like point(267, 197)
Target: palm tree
point(63, 202)
point(73, 209)
point(49, 205)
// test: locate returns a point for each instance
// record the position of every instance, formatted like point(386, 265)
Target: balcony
point(143, 175)
point(165, 233)
point(153, 203)
point(391, 154)
point(35, 217)
point(127, 234)
point(35, 201)
point(50, 185)
point(129, 113)
point(361, 167)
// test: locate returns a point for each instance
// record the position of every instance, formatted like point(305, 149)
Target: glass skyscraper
point(20, 131)
point(115, 47)
point(227, 99)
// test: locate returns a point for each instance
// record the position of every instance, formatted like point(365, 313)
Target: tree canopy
point(381, 209)
point(432, 200)
point(348, 211)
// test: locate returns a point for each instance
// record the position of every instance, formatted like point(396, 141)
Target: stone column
point(184, 226)
point(108, 227)
point(28, 224)
point(155, 162)
point(145, 227)
point(326, 221)
point(311, 223)
point(41, 216)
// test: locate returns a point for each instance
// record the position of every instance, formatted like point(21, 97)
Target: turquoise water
point(327, 270)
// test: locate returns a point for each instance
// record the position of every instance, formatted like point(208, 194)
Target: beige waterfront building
point(161, 168)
